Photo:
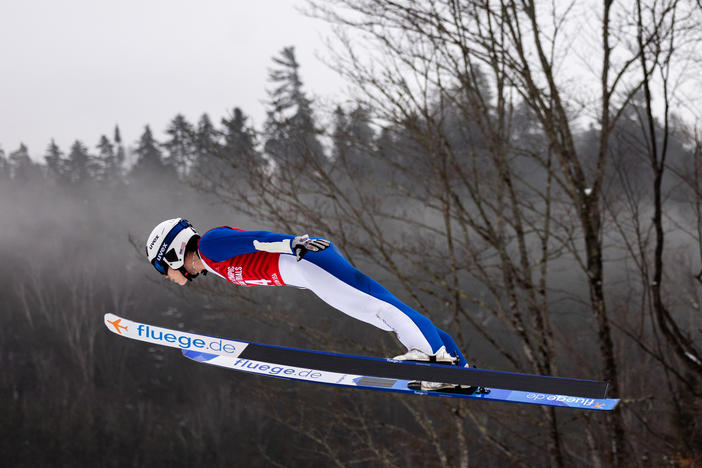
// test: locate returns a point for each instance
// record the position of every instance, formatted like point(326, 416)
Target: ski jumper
point(262, 258)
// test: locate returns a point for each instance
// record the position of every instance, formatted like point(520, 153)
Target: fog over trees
point(551, 224)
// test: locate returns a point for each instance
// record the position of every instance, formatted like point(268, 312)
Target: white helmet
point(165, 246)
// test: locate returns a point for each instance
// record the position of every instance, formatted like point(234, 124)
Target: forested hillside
point(477, 194)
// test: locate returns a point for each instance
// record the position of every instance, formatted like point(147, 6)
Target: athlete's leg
point(331, 277)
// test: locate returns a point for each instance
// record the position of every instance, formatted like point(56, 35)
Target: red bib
point(252, 269)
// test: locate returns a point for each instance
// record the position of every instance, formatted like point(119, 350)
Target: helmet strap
point(189, 276)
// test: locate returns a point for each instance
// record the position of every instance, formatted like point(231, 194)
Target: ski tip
point(115, 324)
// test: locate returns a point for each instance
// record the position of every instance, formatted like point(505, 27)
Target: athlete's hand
point(301, 244)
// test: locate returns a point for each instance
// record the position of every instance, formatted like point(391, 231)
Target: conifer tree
point(352, 139)
point(55, 163)
point(4, 166)
point(339, 136)
point(290, 131)
point(149, 161)
point(119, 149)
point(239, 145)
point(180, 147)
point(206, 146)
point(80, 165)
point(110, 168)
point(21, 166)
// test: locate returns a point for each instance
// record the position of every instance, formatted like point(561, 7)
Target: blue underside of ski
point(395, 385)
point(368, 372)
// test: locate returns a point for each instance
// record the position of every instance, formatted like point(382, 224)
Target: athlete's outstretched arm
point(224, 242)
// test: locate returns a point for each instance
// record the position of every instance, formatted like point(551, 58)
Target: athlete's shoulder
point(221, 231)
point(220, 243)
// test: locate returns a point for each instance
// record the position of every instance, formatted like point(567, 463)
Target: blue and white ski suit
point(262, 258)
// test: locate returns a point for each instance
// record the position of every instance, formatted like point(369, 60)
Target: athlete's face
point(176, 276)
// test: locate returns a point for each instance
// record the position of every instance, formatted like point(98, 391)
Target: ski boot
point(447, 387)
point(441, 357)
point(415, 355)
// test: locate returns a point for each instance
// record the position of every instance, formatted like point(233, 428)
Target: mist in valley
point(541, 246)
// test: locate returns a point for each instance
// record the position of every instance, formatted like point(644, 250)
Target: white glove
point(301, 244)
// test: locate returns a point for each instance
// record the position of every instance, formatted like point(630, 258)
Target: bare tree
point(657, 57)
point(481, 198)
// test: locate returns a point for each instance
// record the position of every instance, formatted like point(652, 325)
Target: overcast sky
point(73, 69)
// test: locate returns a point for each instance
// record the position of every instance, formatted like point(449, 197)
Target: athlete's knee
point(422, 321)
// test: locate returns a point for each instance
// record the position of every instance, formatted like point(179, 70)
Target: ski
point(355, 365)
point(397, 385)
